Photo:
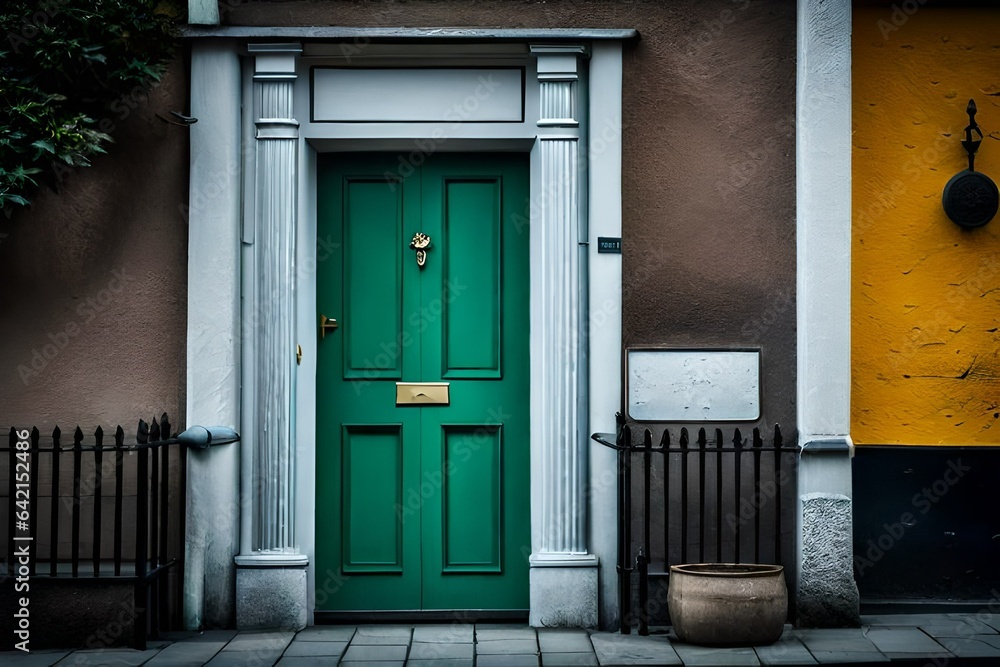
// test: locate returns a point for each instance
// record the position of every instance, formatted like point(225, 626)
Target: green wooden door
point(423, 506)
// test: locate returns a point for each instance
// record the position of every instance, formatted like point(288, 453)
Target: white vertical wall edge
point(823, 200)
point(827, 593)
point(213, 325)
point(605, 324)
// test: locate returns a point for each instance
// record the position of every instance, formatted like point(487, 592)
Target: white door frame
point(575, 196)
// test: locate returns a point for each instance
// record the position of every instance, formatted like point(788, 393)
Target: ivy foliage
point(69, 71)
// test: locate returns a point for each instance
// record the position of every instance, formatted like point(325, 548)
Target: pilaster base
point(271, 592)
point(563, 591)
point(827, 595)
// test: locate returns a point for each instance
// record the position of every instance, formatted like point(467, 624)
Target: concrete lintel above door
point(335, 33)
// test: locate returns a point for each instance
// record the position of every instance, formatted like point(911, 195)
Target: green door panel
point(423, 507)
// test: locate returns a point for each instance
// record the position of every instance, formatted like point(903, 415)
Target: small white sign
point(693, 385)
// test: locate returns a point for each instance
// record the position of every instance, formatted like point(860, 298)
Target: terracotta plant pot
point(727, 604)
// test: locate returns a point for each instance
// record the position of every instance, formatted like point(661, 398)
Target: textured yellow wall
point(925, 293)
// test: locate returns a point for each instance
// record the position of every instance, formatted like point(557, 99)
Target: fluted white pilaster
point(564, 573)
point(271, 576)
point(274, 240)
point(563, 470)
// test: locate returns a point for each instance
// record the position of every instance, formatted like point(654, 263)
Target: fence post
point(54, 508)
point(98, 491)
point(119, 474)
point(141, 596)
point(625, 525)
point(33, 498)
point(77, 452)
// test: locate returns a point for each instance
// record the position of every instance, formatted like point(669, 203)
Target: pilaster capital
point(559, 62)
point(558, 79)
point(274, 61)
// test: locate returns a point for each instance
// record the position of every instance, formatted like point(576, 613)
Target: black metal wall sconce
point(971, 198)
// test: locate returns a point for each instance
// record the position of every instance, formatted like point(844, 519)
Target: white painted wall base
point(564, 595)
point(826, 595)
point(270, 596)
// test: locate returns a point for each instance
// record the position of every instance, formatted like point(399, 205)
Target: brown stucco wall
point(92, 308)
point(709, 167)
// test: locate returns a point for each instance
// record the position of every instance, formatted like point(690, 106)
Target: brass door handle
point(326, 324)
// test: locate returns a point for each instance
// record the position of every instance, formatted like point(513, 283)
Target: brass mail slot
point(422, 393)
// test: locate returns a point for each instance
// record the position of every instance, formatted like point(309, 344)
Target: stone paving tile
point(326, 633)
point(107, 656)
point(969, 648)
point(382, 635)
point(912, 641)
point(993, 621)
point(616, 649)
point(489, 632)
point(786, 651)
point(992, 640)
point(260, 641)
point(912, 620)
point(836, 640)
point(507, 661)
point(299, 649)
point(382, 652)
point(243, 659)
point(429, 651)
point(458, 633)
point(183, 653)
point(33, 659)
point(443, 662)
point(306, 661)
point(848, 657)
point(970, 619)
point(373, 663)
point(565, 659)
point(707, 655)
point(564, 641)
point(954, 628)
point(507, 646)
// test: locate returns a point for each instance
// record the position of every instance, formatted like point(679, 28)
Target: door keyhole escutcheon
point(421, 243)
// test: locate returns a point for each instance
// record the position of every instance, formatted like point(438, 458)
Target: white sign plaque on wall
point(693, 385)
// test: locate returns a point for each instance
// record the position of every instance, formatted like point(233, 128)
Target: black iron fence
point(125, 515)
point(707, 499)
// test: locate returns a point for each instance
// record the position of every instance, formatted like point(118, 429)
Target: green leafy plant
point(69, 70)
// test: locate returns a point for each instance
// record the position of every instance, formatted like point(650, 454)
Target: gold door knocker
point(421, 243)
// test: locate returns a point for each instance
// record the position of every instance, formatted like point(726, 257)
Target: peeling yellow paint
point(925, 293)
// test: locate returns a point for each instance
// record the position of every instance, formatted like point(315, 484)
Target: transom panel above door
point(423, 386)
